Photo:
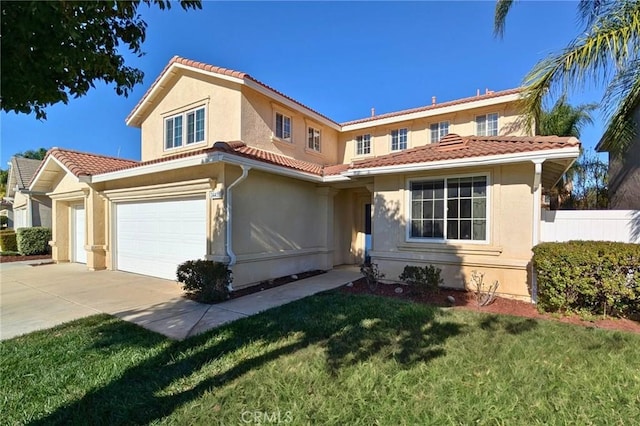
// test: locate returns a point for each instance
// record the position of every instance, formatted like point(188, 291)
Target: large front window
point(399, 139)
point(487, 125)
point(449, 209)
point(176, 132)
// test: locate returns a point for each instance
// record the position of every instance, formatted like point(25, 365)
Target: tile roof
point(218, 70)
point(460, 147)
point(490, 95)
point(450, 148)
point(85, 163)
point(23, 169)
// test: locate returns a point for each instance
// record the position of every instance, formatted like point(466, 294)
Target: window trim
point(398, 129)
point(362, 135)
point(486, 118)
point(407, 209)
point(439, 124)
point(184, 115)
point(308, 147)
point(284, 114)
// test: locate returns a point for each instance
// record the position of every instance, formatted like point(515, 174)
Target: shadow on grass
point(350, 329)
point(510, 325)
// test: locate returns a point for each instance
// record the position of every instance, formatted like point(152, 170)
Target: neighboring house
point(30, 208)
point(235, 171)
point(623, 183)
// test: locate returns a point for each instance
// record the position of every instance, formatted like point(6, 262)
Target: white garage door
point(153, 238)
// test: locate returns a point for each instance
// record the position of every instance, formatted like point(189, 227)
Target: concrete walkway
point(38, 297)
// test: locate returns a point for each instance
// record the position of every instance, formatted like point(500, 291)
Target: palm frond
point(611, 43)
point(499, 21)
point(622, 102)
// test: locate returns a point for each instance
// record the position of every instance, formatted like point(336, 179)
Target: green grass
point(328, 359)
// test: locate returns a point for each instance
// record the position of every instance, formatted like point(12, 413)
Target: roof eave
point(559, 153)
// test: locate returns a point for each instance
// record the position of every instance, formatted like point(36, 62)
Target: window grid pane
point(465, 214)
point(363, 144)
point(169, 134)
point(313, 139)
point(200, 125)
point(177, 131)
point(191, 127)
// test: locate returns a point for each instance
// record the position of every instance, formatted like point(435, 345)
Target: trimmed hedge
point(205, 281)
point(8, 240)
point(33, 240)
point(597, 277)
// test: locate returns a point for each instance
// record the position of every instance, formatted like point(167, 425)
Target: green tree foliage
point(564, 119)
point(606, 50)
point(54, 50)
point(34, 154)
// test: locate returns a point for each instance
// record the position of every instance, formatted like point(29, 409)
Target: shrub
point(205, 281)
point(8, 241)
point(33, 240)
point(422, 280)
point(4, 222)
point(371, 274)
point(588, 276)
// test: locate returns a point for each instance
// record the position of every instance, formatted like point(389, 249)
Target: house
point(232, 170)
point(30, 208)
point(624, 172)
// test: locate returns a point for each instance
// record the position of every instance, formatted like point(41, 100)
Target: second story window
point(439, 130)
point(313, 139)
point(363, 144)
point(399, 139)
point(283, 127)
point(176, 133)
point(487, 125)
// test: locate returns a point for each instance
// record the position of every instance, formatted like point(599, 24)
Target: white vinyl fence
point(598, 225)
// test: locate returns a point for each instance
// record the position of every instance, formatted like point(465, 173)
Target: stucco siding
point(419, 131)
point(221, 100)
point(506, 254)
point(258, 128)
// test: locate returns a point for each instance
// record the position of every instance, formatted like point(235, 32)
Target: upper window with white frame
point(439, 130)
point(487, 125)
point(283, 127)
point(449, 209)
point(399, 139)
point(313, 139)
point(363, 144)
point(184, 129)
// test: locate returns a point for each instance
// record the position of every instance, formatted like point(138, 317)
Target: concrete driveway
point(38, 297)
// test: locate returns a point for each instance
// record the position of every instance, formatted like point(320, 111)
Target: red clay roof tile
point(468, 147)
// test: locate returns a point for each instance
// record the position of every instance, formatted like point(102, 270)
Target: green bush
point(4, 221)
point(422, 280)
point(597, 277)
point(33, 240)
point(205, 281)
point(8, 241)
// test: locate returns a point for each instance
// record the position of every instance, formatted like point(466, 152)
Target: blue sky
point(339, 58)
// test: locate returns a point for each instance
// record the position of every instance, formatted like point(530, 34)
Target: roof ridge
point(56, 149)
point(452, 102)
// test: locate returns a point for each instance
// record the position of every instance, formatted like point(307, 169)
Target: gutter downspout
point(535, 232)
point(229, 216)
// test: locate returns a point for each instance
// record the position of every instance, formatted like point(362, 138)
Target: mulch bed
point(276, 282)
point(466, 300)
point(7, 259)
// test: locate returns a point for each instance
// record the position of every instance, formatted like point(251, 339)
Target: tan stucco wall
point(258, 129)
point(505, 257)
point(279, 226)
point(462, 123)
point(19, 201)
point(221, 100)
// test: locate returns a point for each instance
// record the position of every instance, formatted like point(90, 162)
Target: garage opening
point(154, 237)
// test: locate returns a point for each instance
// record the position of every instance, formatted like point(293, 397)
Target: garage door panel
point(153, 238)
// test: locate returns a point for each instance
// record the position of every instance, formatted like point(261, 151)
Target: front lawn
point(328, 359)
